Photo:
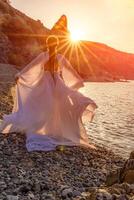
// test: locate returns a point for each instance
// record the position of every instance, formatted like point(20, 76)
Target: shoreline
point(76, 173)
point(106, 81)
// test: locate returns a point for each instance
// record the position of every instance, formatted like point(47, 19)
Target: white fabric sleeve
point(31, 74)
point(71, 77)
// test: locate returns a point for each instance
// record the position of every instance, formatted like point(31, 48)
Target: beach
point(67, 173)
point(75, 173)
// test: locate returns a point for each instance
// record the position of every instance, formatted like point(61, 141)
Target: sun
point(76, 35)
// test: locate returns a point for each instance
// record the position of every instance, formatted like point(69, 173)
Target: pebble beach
point(67, 173)
point(75, 173)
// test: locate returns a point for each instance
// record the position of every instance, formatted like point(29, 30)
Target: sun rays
point(76, 54)
point(82, 55)
point(76, 51)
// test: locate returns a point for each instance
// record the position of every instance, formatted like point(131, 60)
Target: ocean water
point(113, 124)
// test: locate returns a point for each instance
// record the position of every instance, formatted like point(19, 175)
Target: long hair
point(52, 44)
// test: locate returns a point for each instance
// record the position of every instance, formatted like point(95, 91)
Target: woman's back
point(53, 66)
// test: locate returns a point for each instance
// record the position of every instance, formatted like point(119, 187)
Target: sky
point(106, 21)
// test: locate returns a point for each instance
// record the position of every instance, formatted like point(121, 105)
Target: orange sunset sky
point(107, 21)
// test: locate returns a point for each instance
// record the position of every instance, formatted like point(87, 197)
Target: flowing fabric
point(49, 110)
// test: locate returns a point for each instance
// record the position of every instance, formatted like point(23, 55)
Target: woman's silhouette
point(48, 107)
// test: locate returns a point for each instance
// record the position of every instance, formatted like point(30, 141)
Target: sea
point(113, 124)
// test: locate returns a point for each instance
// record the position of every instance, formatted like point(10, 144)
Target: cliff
point(22, 38)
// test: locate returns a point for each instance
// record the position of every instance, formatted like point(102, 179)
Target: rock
point(132, 188)
point(123, 174)
point(131, 155)
point(132, 198)
point(127, 172)
point(127, 187)
point(3, 185)
point(63, 187)
point(24, 189)
point(81, 189)
point(7, 73)
point(115, 196)
point(123, 197)
point(5, 48)
point(76, 193)
point(15, 47)
point(37, 187)
point(112, 177)
point(11, 197)
point(101, 194)
point(31, 195)
point(2, 197)
point(85, 194)
point(129, 177)
point(47, 196)
point(67, 193)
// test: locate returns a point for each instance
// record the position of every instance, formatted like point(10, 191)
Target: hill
point(22, 38)
point(17, 35)
point(106, 61)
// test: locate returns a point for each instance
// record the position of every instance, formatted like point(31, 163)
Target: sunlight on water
point(113, 125)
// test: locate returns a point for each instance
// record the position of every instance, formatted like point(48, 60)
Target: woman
point(48, 107)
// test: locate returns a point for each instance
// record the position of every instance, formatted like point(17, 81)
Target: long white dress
point(49, 112)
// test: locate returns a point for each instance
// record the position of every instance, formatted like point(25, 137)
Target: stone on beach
point(123, 174)
point(57, 174)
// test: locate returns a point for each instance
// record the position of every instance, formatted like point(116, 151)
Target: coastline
point(75, 173)
point(104, 79)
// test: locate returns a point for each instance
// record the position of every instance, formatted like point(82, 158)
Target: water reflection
point(113, 125)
